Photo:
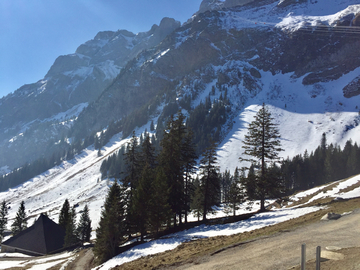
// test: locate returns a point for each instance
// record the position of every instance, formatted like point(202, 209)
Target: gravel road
point(282, 251)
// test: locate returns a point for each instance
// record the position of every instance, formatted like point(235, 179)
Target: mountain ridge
point(217, 51)
point(304, 67)
point(73, 79)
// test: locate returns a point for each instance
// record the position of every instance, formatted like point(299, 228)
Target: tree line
point(206, 121)
point(20, 221)
point(75, 233)
point(325, 164)
point(161, 181)
point(157, 189)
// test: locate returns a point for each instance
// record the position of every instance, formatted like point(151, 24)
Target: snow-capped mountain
point(73, 81)
point(248, 50)
point(299, 57)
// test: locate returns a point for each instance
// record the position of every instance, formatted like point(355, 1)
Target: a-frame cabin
point(44, 237)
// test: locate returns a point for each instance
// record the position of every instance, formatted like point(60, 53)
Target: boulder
point(331, 216)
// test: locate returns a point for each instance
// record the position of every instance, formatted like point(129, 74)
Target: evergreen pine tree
point(179, 131)
point(236, 191)
point(226, 179)
point(64, 216)
point(3, 219)
point(159, 209)
point(210, 179)
point(132, 157)
point(352, 161)
point(141, 201)
point(20, 222)
point(112, 228)
point(147, 155)
point(189, 159)
point(170, 161)
point(84, 226)
point(250, 184)
point(70, 231)
point(197, 199)
point(262, 143)
point(132, 174)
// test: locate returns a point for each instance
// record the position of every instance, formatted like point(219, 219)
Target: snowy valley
point(309, 91)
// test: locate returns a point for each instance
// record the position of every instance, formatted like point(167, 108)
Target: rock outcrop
point(331, 216)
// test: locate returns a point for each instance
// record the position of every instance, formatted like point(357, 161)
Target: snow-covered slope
point(303, 111)
point(79, 182)
point(302, 118)
point(72, 80)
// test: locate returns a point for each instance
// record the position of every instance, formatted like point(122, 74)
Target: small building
point(44, 237)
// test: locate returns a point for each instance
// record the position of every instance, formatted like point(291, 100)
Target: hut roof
point(44, 237)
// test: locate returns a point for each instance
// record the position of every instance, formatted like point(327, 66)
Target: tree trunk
point(262, 204)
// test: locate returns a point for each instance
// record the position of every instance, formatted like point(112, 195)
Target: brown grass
point(193, 251)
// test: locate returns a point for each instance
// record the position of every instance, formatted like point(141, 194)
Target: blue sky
point(33, 33)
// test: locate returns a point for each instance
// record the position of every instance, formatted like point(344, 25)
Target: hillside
point(303, 208)
point(42, 113)
point(301, 57)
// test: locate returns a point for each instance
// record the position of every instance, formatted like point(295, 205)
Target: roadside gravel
point(282, 250)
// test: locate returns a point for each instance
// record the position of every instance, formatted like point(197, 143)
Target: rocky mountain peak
point(219, 4)
point(220, 50)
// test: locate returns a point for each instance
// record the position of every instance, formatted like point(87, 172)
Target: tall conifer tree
point(210, 179)
point(189, 159)
point(84, 226)
point(112, 228)
point(70, 230)
point(132, 160)
point(3, 219)
point(20, 222)
point(64, 216)
point(197, 199)
point(141, 201)
point(171, 161)
point(236, 191)
point(147, 155)
point(159, 210)
point(262, 144)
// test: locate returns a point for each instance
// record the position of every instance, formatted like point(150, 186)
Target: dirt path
point(282, 251)
point(83, 260)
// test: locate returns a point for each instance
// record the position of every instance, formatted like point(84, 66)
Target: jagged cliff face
point(228, 44)
point(229, 47)
point(27, 116)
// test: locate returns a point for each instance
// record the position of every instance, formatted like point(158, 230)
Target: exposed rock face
point(356, 20)
point(166, 64)
point(285, 3)
point(346, 20)
point(207, 5)
point(353, 88)
point(73, 79)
